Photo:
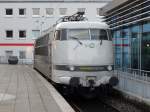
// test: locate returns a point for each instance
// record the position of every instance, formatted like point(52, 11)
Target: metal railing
point(142, 75)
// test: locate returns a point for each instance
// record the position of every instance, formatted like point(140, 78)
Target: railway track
point(110, 105)
point(75, 107)
point(119, 102)
point(89, 105)
point(93, 105)
point(109, 108)
point(103, 104)
point(81, 104)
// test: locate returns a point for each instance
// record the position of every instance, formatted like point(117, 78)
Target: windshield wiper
point(75, 38)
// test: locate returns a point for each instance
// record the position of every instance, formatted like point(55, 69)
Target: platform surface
point(23, 90)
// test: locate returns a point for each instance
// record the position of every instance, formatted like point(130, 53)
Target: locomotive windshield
point(86, 34)
point(97, 34)
point(81, 34)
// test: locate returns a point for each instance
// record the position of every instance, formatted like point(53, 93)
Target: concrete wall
point(30, 23)
point(137, 87)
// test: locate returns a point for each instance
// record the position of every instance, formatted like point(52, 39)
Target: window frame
point(33, 35)
point(79, 29)
point(23, 56)
point(8, 53)
point(8, 15)
point(55, 37)
point(25, 12)
point(107, 33)
point(23, 36)
point(7, 37)
point(47, 15)
point(33, 15)
point(60, 9)
point(79, 10)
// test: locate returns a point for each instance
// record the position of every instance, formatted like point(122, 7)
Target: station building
point(22, 21)
point(129, 21)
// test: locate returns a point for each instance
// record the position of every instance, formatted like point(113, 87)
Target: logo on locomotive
point(91, 45)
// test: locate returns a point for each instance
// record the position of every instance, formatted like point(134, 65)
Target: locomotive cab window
point(81, 34)
point(57, 35)
point(63, 34)
point(99, 34)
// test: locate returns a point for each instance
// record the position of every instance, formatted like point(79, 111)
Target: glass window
point(103, 35)
point(97, 34)
point(9, 34)
point(82, 34)
point(35, 33)
point(135, 47)
point(99, 11)
point(117, 44)
point(57, 35)
point(145, 47)
point(36, 11)
point(63, 11)
point(63, 34)
point(8, 53)
point(22, 11)
point(125, 48)
point(81, 9)
point(9, 11)
point(22, 54)
point(146, 27)
point(22, 34)
point(49, 11)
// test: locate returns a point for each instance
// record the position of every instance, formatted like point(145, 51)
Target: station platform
point(22, 89)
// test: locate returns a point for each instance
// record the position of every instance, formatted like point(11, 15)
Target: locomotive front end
point(83, 56)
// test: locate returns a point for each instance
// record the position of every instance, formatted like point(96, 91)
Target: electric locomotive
point(76, 53)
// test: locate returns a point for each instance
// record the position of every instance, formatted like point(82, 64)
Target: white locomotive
point(76, 54)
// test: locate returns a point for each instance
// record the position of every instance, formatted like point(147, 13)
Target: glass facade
point(117, 42)
point(132, 47)
point(130, 24)
point(125, 48)
point(135, 47)
point(145, 47)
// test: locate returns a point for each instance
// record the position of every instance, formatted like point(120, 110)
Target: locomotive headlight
point(72, 68)
point(109, 67)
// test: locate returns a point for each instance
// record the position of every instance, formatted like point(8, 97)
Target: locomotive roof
point(82, 25)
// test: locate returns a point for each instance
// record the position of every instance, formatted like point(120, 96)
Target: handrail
point(136, 73)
